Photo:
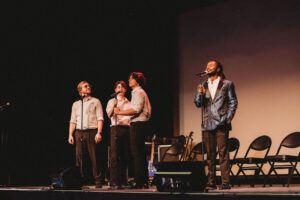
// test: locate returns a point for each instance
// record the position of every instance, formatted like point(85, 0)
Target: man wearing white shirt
point(140, 114)
point(85, 129)
point(119, 136)
point(218, 100)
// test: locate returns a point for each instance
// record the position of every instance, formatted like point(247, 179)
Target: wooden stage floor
point(90, 193)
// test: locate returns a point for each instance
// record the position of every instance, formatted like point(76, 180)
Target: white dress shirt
point(213, 86)
point(122, 104)
point(141, 104)
point(92, 113)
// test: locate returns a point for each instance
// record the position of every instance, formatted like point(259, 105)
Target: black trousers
point(217, 138)
point(138, 134)
point(119, 150)
point(85, 144)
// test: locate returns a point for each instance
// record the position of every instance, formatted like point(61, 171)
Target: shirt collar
point(87, 98)
point(215, 81)
point(137, 88)
point(121, 98)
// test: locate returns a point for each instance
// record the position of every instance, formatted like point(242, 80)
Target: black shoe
point(98, 183)
point(225, 186)
point(125, 185)
point(210, 186)
point(115, 187)
point(138, 186)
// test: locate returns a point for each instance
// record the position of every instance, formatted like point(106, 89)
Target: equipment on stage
point(188, 146)
point(161, 149)
point(68, 179)
point(184, 176)
point(4, 106)
point(151, 168)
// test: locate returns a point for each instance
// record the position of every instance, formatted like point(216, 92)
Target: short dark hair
point(139, 77)
point(124, 85)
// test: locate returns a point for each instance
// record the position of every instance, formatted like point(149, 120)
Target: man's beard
point(213, 73)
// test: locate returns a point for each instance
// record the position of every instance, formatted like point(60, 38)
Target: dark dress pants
point(138, 134)
point(119, 149)
point(217, 138)
point(85, 144)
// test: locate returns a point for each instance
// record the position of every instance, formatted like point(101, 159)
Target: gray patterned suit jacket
point(218, 112)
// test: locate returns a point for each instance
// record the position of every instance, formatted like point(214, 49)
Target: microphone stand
point(202, 124)
point(201, 75)
point(116, 130)
point(4, 150)
point(116, 118)
point(81, 140)
point(202, 114)
point(82, 97)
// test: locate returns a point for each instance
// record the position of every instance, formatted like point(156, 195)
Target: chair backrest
point(290, 141)
point(198, 149)
point(172, 140)
point(261, 143)
point(173, 151)
point(233, 146)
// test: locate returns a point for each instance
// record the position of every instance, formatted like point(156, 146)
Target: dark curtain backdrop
point(49, 46)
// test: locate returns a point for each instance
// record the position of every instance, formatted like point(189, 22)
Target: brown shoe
point(98, 183)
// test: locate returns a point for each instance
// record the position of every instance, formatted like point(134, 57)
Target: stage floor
point(295, 189)
point(90, 192)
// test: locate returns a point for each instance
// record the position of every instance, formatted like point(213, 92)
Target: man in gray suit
point(218, 100)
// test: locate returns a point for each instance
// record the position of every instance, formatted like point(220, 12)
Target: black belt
point(138, 122)
point(86, 130)
point(123, 126)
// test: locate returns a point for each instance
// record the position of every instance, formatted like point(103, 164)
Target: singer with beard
point(119, 136)
point(85, 129)
point(218, 101)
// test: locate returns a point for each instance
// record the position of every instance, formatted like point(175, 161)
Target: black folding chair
point(198, 152)
point(173, 153)
point(283, 161)
point(262, 143)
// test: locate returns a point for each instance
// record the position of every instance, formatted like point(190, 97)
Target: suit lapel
point(220, 85)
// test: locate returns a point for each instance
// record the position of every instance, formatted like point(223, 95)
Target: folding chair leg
point(267, 177)
point(291, 172)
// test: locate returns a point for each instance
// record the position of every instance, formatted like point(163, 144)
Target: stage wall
point(258, 43)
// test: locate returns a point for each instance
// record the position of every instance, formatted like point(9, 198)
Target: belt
point(138, 122)
point(86, 130)
point(123, 126)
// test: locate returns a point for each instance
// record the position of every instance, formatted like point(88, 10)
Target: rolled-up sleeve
point(137, 102)
point(99, 111)
point(73, 114)
point(110, 106)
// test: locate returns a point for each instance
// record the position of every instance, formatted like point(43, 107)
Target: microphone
point(82, 96)
point(115, 94)
point(5, 105)
point(201, 73)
